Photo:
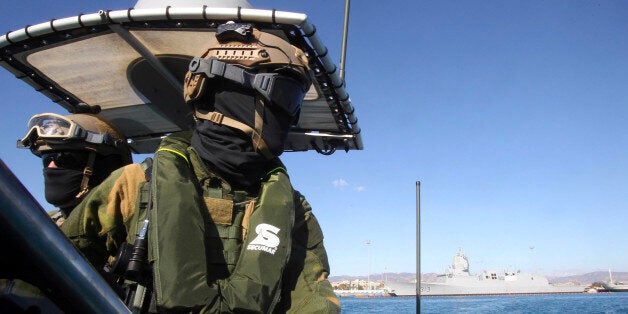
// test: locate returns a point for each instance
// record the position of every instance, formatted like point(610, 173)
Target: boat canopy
point(131, 63)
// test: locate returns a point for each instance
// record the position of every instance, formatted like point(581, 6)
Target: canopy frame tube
point(56, 31)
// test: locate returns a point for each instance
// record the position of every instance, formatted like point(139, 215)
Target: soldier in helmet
point(215, 220)
point(78, 152)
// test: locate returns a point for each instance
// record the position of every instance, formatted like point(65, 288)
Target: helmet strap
point(87, 173)
point(256, 134)
point(258, 142)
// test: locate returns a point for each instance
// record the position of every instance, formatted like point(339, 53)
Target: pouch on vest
point(224, 233)
point(176, 234)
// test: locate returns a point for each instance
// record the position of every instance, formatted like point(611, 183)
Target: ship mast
point(418, 247)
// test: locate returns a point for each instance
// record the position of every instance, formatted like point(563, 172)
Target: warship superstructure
point(457, 280)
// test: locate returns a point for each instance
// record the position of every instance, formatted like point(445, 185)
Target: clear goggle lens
point(49, 126)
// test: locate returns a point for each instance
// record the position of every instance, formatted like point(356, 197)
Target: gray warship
point(458, 281)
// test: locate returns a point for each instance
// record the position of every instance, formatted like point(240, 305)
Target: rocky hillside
point(597, 276)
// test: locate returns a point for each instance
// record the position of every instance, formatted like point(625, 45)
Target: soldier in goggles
point(78, 152)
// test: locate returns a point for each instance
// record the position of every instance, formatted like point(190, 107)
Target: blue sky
point(512, 114)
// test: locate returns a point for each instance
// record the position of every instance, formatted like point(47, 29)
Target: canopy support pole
point(343, 51)
point(146, 54)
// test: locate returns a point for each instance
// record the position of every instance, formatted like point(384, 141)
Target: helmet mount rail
point(327, 120)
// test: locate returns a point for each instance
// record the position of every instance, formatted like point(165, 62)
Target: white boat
point(457, 280)
point(373, 293)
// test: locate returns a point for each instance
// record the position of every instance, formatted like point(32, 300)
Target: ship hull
point(402, 289)
point(504, 288)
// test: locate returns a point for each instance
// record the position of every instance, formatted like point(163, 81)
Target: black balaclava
point(230, 151)
point(61, 187)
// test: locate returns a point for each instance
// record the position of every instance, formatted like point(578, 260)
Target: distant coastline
point(586, 278)
point(397, 277)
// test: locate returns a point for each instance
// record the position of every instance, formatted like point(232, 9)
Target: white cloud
point(340, 183)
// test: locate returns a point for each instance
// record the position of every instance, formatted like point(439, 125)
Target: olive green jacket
point(207, 260)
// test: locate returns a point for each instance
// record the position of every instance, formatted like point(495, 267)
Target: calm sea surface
point(553, 303)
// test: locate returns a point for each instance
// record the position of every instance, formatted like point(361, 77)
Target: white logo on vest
point(266, 239)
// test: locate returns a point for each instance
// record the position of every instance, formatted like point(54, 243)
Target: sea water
point(549, 303)
point(378, 305)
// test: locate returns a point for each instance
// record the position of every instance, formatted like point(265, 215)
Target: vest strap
point(248, 210)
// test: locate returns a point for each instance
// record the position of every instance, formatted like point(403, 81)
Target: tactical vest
point(198, 230)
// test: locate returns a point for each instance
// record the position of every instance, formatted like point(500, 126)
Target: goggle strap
point(220, 119)
point(87, 173)
point(261, 82)
point(99, 138)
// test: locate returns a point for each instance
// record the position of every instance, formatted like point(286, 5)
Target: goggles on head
point(54, 128)
point(281, 90)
